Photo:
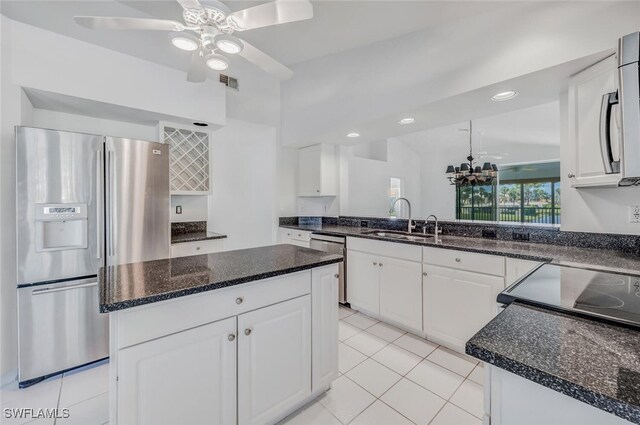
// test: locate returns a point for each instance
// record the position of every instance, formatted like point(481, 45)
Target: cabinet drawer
point(300, 235)
point(186, 249)
point(470, 261)
point(386, 249)
point(152, 321)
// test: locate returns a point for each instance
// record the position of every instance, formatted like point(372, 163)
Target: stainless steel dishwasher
point(333, 245)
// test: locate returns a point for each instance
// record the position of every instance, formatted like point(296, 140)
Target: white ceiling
point(337, 25)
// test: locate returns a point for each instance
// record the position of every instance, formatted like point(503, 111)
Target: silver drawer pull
point(380, 264)
point(247, 332)
point(457, 260)
point(197, 248)
point(64, 288)
point(239, 300)
point(424, 273)
point(375, 263)
point(337, 276)
point(231, 337)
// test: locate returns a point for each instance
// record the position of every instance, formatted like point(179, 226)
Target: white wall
point(56, 120)
point(365, 182)
point(245, 184)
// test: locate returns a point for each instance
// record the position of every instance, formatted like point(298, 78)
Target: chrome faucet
point(410, 226)
point(436, 231)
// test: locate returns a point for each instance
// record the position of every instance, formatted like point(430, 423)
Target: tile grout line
point(447, 400)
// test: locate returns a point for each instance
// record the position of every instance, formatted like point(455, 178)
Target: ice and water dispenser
point(61, 227)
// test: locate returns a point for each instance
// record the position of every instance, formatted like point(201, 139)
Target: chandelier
point(468, 175)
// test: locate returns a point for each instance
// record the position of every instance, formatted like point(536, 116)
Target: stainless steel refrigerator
point(83, 201)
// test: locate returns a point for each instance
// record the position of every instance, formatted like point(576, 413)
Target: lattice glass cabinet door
point(189, 160)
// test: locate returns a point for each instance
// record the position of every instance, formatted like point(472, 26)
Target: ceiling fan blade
point(190, 4)
point(197, 69)
point(273, 13)
point(264, 61)
point(111, 23)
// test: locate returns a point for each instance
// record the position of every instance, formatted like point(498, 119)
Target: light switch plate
point(634, 214)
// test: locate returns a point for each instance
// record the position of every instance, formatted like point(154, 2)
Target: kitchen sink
point(393, 234)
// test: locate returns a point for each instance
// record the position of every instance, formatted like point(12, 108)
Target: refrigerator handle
point(111, 198)
point(99, 202)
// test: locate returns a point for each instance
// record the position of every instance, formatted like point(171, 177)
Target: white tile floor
point(83, 391)
point(387, 377)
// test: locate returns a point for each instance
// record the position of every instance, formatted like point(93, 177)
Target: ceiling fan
point(208, 30)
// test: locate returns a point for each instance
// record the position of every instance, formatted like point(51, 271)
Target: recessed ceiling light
point(353, 135)
point(505, 95)
point(408, 120)
point(184, 41)
point(229, 44)
point(216, 62)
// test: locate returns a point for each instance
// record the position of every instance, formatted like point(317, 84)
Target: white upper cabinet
point(586, 91)
point(317, 171)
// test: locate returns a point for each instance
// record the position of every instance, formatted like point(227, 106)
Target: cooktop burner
point(610, 296)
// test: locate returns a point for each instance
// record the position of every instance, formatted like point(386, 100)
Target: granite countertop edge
point(457, 243)
point(122, 305)
point(195, 237)
point(576, 391)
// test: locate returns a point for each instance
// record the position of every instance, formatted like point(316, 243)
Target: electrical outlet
point(364, 223)
point(634, 214)
point(489, 233)
point(178, 209)
point(520, 236)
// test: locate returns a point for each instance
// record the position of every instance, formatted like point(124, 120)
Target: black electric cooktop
point(609, 296)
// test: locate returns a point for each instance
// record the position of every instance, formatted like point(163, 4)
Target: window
point(396, 190)
point(526, 193)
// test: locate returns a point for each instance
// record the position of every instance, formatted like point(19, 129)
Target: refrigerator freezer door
point(138, 201)
point(60, 327)
point(59, 197)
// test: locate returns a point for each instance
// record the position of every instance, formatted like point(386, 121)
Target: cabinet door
point(309, 178)
point(363, 286)
point(324, 308)
point(284, 235)
point(199, 364)
point(585, 97)
point(274, 360)
point(457, 304)
point(401, 292)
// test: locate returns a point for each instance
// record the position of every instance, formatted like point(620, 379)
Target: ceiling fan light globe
point(216, 62)
point(184, 41)
point(229, 44)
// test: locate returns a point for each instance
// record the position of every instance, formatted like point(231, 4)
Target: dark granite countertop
point(600, 259)
point(592, 361)
point(195, 236)
point(130, 285)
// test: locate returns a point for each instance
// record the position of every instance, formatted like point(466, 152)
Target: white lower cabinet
point(363, 275)
point(208, 246)
point(401, 292)
point(276, 352)
point(324, 329)
point(517, 268)
point(274, 360)
point(198, 364)
point(457, 304)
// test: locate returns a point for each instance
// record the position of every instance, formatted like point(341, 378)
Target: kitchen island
point(245, 336)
